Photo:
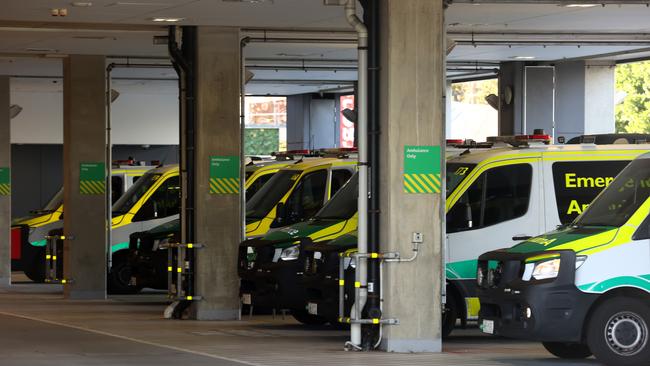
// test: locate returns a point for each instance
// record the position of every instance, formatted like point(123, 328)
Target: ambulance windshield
point(618, 202)
point(456, 173)
point(262, 202)
point(344, 203)
point(133, 195)
point(55, 202)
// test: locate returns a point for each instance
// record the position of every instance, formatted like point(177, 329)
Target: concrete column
point(218, 131)
point(5, 199)
point(539, 100)
point(412, 105)
point(84, 141)
point(511, 93)
point(584, 97)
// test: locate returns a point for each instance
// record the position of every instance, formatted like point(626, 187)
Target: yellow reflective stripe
point(357, 284)
point(224, 188)
point(235, 182)
point(540, 257)
point(213, 187)
point(224, 183)
point(341, 282)
point(436, 178)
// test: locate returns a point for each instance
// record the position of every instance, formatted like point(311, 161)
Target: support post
point(217, 131)
point(5, 184)
point(412, 113)
point(84, 141)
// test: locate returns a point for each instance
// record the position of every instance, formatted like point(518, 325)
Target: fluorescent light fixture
point(523, 57)
point(580, 5)
point(166, 19)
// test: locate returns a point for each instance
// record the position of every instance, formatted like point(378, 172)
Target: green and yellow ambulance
point(270, 266)
point(147, 265)
point(28, 234)
point(507, 194)
point(584, 288)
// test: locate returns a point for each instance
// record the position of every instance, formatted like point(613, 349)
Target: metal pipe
point(107, 171)
point(362, 126)
point(242, 116)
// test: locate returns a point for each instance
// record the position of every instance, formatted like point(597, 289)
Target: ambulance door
point(500, 208)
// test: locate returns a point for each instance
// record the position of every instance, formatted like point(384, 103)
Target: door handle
point(521, 237)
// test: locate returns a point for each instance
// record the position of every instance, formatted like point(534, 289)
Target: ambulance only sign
point(422, 169)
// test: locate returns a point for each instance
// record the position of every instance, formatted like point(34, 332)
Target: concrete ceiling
point(485, 33)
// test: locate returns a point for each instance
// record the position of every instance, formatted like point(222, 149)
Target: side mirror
point(468, 215)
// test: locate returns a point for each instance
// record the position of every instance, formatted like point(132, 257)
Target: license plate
point(246, 299)
point(312, 308)
point(487, 326)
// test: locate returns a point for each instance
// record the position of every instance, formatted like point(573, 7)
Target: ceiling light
point(523, 57)
point(167, 20)
point(580, 5)
point(81, 4)
point(249, 1)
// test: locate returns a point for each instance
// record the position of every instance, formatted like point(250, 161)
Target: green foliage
point(633, 114)
point(474, 92)
point(261, 141)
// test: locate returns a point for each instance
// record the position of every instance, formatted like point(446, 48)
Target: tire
point(617, 332)
point(35, 269)
point(119, 277)
point(450, 315)
point(572, 351)
point(308, 319)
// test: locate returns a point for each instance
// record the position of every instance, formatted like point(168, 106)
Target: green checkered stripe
point(422, 183)
point(5, 181)
point(5, 189)
point(224, 185)
point(92, 187)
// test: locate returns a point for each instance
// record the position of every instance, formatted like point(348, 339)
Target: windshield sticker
point(422, 169)
point(224, 175)
point(92, 179)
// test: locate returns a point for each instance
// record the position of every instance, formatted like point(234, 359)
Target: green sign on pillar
point(224, 175)
point(422, 169)
point(5, 181)
point(92, 178)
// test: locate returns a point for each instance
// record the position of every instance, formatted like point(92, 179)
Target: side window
point(498, 195)
point(164, 202)
point(308, 197)
point(117, 187)
point(339, 178)
point(578, 183)
point(259, 182)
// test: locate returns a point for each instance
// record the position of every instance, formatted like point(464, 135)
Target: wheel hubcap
point(626, 333)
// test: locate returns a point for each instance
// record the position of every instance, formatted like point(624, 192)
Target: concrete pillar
point(584, 95)
point(218, 224)
point(84, 142)
point(511, 93)
point(5, 192)
point(539, 102)
point(412, 105)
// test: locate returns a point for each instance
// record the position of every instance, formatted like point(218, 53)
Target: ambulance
point(583, 288)
point(511, 192)
point(28, 234)
point(268, 266)
point(146, 266)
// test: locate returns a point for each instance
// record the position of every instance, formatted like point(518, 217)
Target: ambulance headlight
point(291, 253)
point(546, 269)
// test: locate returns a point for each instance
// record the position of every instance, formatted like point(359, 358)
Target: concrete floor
point(40, 328)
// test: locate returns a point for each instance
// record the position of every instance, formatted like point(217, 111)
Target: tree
point(633, 114)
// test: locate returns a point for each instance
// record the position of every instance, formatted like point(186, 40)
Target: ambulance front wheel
point(617, 331)
point(34, 266)
point(119, 277)
point(575, 351)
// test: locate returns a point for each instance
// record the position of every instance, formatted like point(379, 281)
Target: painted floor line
point(174, 348)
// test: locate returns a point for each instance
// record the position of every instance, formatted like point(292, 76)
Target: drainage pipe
point(362, 126)
point(242, 157)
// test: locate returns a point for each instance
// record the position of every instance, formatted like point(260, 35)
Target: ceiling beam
point(551, 2)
